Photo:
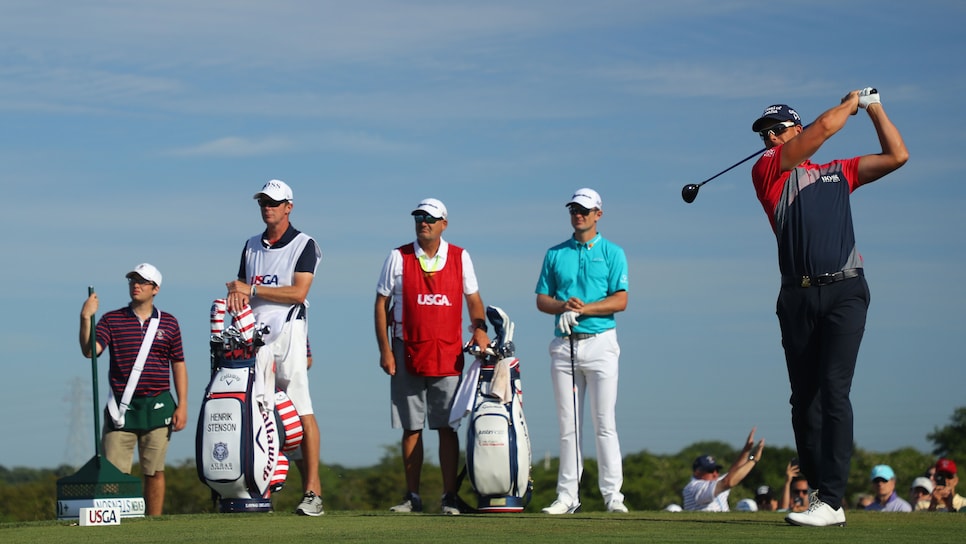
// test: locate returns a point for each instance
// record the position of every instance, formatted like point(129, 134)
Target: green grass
point(493, 528)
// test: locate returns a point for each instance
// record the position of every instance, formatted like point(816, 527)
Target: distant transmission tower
point(80, 423)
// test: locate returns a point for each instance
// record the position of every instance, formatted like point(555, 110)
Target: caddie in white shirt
point(275, 274)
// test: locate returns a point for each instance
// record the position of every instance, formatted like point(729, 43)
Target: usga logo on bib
point(432, 300)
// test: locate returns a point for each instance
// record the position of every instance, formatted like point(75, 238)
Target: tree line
point(651, 482)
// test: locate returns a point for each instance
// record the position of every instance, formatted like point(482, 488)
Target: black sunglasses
point(139, 281)
point(577, 209)
point(269, 203)
point(425, 218)
point(800, 491)
point(777, 130)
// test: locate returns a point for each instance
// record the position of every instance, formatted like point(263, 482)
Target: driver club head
point(689, 192)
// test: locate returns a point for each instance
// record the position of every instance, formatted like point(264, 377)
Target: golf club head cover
point(280, 474)
point(291, 424)
point(218, 317)
point(501, 326)
point(567, 322)
point(868, 96)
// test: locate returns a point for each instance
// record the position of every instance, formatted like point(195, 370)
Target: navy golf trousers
point(822, 328)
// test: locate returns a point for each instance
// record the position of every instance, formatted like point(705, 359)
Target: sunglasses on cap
point(777, 130)
point(269, 203)
point(425, 218)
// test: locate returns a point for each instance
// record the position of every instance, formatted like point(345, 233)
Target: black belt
point(822, 279)
point(581, 335)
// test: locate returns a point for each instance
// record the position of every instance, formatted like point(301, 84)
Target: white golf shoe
point(819, 514)
point(616, 506)
point(559, 507)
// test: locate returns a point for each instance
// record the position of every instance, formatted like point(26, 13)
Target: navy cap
point(775, 114)
point(705, 463)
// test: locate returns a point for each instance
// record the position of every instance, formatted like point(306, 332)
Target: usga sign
point(91, 517)
point(127, 507)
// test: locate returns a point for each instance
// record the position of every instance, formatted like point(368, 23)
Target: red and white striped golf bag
point(245, 424)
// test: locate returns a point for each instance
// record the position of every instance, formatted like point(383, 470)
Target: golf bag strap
point(116, 411)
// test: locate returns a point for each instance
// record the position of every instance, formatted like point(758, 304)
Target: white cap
point(922, 482)
point(587, 198)
point(672, 508)
point(747, 505)
point(146, 271)
point(432, 207)
point(277, 190)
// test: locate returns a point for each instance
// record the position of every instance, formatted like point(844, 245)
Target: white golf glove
point(567, 322)
point(868, 96)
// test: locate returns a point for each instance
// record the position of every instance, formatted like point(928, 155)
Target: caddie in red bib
point(418, 319)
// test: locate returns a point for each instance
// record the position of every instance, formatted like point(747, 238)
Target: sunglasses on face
point(777, 130)
point(139, 281)
point(579, 210)
point(879, 481)
point(800, 491)
point(269, 203)
point(425, 218)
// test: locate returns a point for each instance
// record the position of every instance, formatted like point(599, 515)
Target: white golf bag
point(497, 441)
point(241, 435)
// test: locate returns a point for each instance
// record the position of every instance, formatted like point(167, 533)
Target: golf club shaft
point(573, 377)
point(735, 165)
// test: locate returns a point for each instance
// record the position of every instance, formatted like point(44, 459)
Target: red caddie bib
point(432, 314)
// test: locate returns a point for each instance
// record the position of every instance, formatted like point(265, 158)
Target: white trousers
point(596, 368)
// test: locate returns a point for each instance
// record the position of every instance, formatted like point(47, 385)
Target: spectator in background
point(863, 501)
point(707, 491)
point(944, 497)
point(920, 490)
point(765, 499)
point(884, 491)
point(796, 495)
point(792, 473)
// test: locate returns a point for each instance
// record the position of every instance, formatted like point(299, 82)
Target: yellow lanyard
point(429, 267)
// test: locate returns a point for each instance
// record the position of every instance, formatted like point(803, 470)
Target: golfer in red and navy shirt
point(824, 297)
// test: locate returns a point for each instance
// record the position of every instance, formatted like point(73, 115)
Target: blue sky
point(138, 131)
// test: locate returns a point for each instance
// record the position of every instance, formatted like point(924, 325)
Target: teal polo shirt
point(590, 272)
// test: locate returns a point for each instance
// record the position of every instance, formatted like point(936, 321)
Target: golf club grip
point(735, 165)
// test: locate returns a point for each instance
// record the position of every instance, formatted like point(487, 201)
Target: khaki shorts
point(152, 448)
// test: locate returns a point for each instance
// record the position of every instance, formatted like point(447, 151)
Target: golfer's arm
point(613, 303)
point(549, 305)
point(894, 153)
point(806, 144)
